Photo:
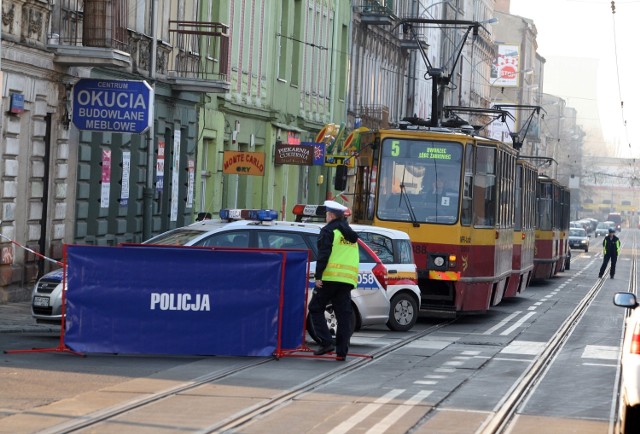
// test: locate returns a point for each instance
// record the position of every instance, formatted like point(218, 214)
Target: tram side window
point(545, 210)
point(518, 199)
point(467, 192)
point(484, 188)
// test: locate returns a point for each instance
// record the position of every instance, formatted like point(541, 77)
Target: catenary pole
point(147, 217)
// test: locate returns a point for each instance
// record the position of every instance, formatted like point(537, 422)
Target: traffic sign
point(120, 106)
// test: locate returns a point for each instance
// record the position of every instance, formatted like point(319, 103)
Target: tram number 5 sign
point(119, 106)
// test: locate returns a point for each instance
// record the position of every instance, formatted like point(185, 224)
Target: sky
point(588, 29)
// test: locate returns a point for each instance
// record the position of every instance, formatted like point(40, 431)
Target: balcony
point(95, 33)
point(409, 43)
point(99, 40)
point(373, 116)
point(375, 12)
point(199, 59)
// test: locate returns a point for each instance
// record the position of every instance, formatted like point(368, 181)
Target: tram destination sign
point(119, 106)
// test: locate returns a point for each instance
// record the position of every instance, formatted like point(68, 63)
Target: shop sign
point(294, 154)
point(119, 106)
point(243, 163)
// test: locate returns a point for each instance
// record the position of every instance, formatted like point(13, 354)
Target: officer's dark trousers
point(605, 261)
point(339, 295)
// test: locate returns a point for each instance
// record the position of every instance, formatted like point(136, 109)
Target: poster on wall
point(192, 178)
point(505, 69)
point(175, 176)
point(502, 130)
point(126, 175)
point(105, 184)
point(160, 167)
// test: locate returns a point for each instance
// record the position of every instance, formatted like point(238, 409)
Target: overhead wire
point(615, 53)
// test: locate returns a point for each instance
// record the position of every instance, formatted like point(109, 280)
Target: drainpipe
point(147, 196)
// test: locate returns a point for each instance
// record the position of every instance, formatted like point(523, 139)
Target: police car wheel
point(403, 313)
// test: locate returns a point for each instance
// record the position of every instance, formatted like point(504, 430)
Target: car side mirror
point(625, 299)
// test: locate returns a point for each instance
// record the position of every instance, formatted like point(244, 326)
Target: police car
point(252, 229)
point(393, 247)
point(629, 400)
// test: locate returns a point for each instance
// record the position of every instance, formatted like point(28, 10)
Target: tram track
point(502, 420)
point(240, 418)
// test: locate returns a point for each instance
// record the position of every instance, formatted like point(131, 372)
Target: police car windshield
point(178, 237)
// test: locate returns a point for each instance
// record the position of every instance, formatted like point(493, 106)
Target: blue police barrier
point(150, 300)
point(294, 302)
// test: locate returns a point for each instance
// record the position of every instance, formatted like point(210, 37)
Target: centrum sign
point(120, 106)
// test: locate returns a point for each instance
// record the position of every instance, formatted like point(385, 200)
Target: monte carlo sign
point(119, 106)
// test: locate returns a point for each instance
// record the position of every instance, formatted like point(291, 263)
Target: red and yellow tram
point(454, 194)
point(552, 226)
point(524, 228)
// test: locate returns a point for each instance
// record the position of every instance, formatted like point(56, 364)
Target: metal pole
point(147, 218)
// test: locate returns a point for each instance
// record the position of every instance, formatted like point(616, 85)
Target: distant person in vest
point(610, 250)
point(336, 275)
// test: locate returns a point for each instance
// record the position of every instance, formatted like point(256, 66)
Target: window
point(281, 240)
point(467, 192)
point(484, 188)
point(226, 239)
point(518, 199)
point(381, 245)
point(419, 181)
point(405, 251)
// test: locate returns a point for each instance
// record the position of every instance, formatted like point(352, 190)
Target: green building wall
point(274, 59)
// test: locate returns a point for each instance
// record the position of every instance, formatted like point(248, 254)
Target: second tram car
point(524, 228)
point(552, 225)
point(453, 193)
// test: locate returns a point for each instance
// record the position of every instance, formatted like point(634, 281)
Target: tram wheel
point(403, 313)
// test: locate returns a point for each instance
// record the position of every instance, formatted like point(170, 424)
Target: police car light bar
point(263, 215)
point(301, 211)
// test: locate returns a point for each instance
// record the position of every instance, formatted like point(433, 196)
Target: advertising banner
point(505, 70)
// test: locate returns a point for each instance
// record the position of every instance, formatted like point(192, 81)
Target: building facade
point(225, 77)
point(230, 81)
point(288, 79)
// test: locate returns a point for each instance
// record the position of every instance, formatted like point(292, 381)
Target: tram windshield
point(419, 181)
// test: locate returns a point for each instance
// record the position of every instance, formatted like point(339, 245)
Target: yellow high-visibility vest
point(343, 261)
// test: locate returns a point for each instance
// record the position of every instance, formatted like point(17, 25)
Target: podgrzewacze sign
point(119, 106)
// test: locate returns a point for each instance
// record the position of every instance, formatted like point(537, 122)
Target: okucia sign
point(119, 106)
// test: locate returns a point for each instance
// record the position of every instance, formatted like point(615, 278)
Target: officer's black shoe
point(599, 276)
point(324, 350)
point(341, 358)
point(611, 276)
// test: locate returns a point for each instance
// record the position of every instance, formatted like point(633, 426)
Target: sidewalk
point(16, 318)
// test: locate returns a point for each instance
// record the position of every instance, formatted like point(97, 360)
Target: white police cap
point(335, 207)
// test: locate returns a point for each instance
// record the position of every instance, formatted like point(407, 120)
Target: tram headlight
point(452, 261)
point(439, 261)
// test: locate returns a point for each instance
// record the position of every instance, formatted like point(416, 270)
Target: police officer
point(610, 250)
point(336, 275)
